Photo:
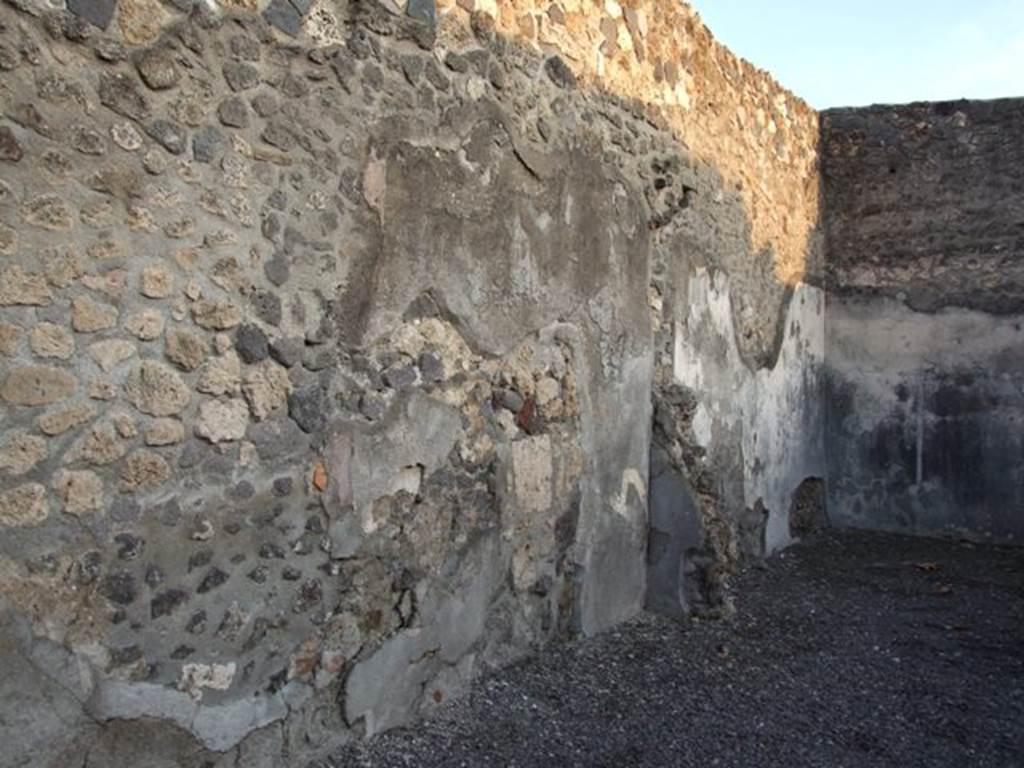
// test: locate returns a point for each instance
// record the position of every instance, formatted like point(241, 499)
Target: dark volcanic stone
point(251, 343)
point(207, 143)
point(422, 10)
point(842, 653)
point(412, 68)
point(278, 200)
point(559, 72)
point(284, 16)
point(87, 141)
point(121, 657)
point(158, 69)
point(400, 376)
point(435, 76)
point(509, 399)
point(456, 62)
point(192, 454)
point(310, 594)
point(496, 75)
point(213, 579)
point(119, 587)
point(240, 76)
point(265, 105)
point(307, 407)
point(168, 134)
point(267, 307)
point(199, 559)
point(121, 94)
point(168, 512)
point(110, 50)
point(294, 86)
point(318, 359)
point(288, 352)
point(167, 602)
point(244, 47)
point(10, 148)
point(271, 551)
point(276, 134)
point(88, 568)
point(129, 546)
point(182, 652)
point(75, 28)
point(277, 439)
point(233, 113)
point(242, 490)
point(196, 623)
point(96, 12)
point(431, 368)
point(270, 226)
point(283, 486)
point(154, 576)
point(372, 405)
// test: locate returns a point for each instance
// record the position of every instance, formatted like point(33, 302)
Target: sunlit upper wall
point(737, 118)
point(762, 139)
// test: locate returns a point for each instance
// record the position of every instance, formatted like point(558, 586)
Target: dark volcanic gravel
point(854, 650)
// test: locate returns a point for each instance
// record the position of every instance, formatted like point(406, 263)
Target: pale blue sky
point(836, 53)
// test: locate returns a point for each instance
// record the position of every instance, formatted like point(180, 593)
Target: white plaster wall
point(774, 416)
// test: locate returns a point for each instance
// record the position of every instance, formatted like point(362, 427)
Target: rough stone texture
point(926, 318)
point(848, 654)
point(923, 204)
point(380, 326)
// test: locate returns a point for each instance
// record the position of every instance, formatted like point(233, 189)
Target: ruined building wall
point(925, 338)
point(333, 340)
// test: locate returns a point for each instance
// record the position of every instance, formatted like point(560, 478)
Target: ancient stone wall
point(926, 295)
point(335, 340)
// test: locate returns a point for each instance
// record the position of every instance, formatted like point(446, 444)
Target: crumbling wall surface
point(926, 295)
point(758, 139)
point(327, 351)
point(732, 444)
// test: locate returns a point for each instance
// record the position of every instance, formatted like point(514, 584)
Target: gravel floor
point(854, 650)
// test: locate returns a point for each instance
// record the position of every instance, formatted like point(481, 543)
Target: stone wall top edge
point(943, 107)
point(760, 137)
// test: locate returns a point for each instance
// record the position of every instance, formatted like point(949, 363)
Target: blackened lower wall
point(925, 361)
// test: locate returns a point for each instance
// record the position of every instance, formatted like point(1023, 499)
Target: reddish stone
point(10, 149)
point(320, 477)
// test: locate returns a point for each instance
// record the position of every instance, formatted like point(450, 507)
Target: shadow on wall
point(738, 406)
point(925, 376)
point(330, 377)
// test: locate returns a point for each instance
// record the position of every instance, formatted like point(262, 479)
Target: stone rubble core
point(350, 349)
